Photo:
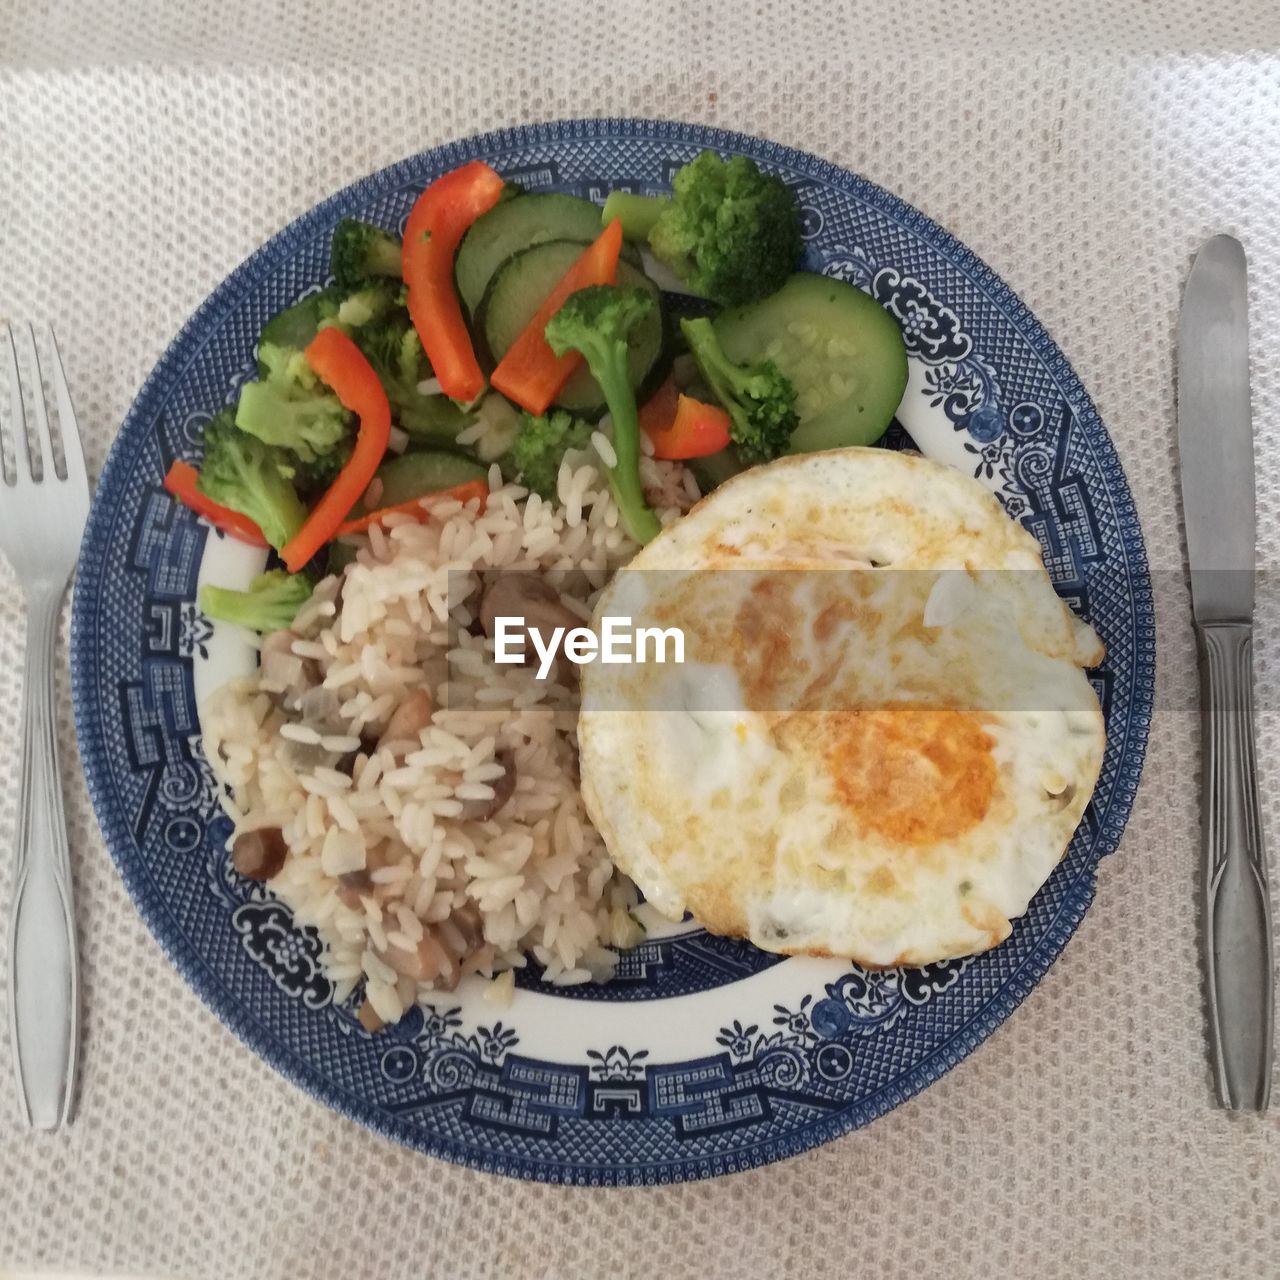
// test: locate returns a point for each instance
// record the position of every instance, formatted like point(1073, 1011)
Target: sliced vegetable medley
point(513, 327)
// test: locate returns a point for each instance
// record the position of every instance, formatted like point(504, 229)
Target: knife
point(1215, 451)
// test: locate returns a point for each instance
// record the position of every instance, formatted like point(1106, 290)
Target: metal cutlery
point(42, 516)
point(1215, 449)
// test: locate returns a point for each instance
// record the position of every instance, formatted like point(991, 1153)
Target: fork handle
point(1237, 920)
point(43, 1011)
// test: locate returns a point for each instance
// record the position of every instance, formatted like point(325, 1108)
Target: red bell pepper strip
point(463, 493)
point(436, 224)
point(181, 481)
point(694, 430)
point(531, 373)
point(338, 362)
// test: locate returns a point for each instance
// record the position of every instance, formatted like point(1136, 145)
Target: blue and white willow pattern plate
point(704, 1056)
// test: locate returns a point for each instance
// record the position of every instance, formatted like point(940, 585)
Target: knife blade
point(1215, 433)
point(1215, 450)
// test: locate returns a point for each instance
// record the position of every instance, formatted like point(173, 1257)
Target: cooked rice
point(537, 873)
point(604, 447)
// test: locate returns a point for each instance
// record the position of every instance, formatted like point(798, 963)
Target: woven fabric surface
point(1084, 151)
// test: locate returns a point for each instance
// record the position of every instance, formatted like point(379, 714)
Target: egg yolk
point(913, 775)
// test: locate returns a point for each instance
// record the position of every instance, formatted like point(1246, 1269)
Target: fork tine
point(39, 441)
point(72, 446)
point(18, 416)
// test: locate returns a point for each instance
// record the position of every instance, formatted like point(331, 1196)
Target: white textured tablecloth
point(1084, 150)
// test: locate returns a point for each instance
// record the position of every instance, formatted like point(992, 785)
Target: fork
point(42, 515)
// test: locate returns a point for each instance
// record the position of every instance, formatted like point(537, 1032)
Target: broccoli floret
point(760, 399)
point(285, 367)
point(728, 231)
point(311, 479)
point(361, 250)
point(393, 348)
point(540, 446)
point(250, 477)
point(596, 322)
point(270, 604)
point(289, 407)
point(363, 306)
point(310, 424)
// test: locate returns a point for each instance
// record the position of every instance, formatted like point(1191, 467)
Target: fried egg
point(881, 738)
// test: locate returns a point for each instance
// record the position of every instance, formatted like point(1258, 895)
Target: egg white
point(892, 597)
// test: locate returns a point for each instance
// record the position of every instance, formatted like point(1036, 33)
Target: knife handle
point(1237, 909)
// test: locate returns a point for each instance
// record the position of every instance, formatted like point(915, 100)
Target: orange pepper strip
point(181, 482)
point(414, 507)
point(437, 223)
point(695, 430)
point(338, 362)
point(531, 373)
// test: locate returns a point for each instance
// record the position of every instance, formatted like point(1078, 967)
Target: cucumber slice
point(519, 224)
point(841, 349)
point(713, 470)
point(341, 554)
point(522, 285)
point(295, 326)
point(433, 420)
point(414, 475)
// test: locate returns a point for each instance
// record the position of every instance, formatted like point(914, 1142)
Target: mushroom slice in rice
point(466, 920)
point(524, 595)
point(408, 720)
point(369, 1018)
point(446, 951)
point(426, 962)
point(503, 788)
point(353, 885)
point(259, 854)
